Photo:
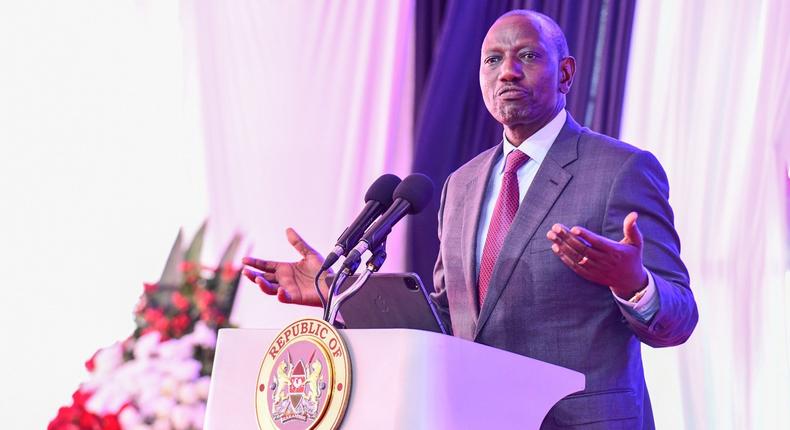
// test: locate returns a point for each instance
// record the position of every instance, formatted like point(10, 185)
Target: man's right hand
point(291, 282)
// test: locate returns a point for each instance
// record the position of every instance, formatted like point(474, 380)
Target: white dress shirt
point(536, 147)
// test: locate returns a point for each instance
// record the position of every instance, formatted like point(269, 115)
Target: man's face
point(520, 73)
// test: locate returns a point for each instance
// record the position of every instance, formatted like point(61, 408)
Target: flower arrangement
point(158, 378)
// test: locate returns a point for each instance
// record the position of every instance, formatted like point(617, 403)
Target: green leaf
point(230, 253)
point(172, 275)
point(195, 248)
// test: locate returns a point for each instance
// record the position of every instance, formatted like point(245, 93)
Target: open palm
point(290, 282)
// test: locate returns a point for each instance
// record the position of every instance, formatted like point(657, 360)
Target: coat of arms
point(297, 388)
point(305, 378)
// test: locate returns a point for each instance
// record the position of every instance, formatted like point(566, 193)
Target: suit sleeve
point(642, 186)
point(439, 296)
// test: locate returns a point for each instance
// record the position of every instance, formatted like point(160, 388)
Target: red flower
point(150, 288)
point(81, 397)
point(110, 422)
point(161, 325)
point(180, 324)
point(89, 421)
point(228, 272)
point(204, 299)
point(75, 417)
point(179, 301)
point(152, 316)
point(187, 266)
point(91, 363)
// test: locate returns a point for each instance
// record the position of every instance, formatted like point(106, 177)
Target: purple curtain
point(452, 124)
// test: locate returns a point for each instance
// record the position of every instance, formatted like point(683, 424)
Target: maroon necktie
point(504, 212)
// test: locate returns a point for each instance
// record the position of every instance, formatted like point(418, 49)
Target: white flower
point(161, 424)
point(146, 401)
point(97, 402)
point(187, 394)
point(146, 345)
point(176, 349)
point(116, 399)
point(107, 359)
point(130, 418)
point(203, 335)
point(94, 383)
point(151, 384)
point(130, 375)
point(163, 406)
point(162, 383)
point(108, 397)
point(181, 417)
point(198, 415)
point(202, 386)
point(169, 386)
point(186, 370)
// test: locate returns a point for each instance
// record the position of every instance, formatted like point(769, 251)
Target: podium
point(402, 379)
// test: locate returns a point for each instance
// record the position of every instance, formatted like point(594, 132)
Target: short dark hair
point(555, 32)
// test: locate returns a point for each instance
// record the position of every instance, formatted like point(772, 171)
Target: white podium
point(403, 379)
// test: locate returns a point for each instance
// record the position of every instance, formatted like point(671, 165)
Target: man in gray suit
point(511, 274)
point(587, 296)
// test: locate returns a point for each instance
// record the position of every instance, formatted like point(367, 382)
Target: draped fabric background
point(98, 170)
point(121, 121)
point(453, 125)
point(303, 105)
point(708, 93)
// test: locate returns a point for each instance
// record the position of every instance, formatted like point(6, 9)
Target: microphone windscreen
point(382, 189)
point(417, 189)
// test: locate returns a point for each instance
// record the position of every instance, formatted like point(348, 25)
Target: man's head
point(525, 72)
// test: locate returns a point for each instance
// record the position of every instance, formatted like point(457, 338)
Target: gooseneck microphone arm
point(373, 265)
point(345, 272)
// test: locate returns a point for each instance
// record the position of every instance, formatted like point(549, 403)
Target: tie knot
point(515, 160)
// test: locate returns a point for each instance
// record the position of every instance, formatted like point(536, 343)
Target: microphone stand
point(373, 265)
point(348, 270)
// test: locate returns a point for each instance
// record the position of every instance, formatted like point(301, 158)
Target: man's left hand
point(601, 260)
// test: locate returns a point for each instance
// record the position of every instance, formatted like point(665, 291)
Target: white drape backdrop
point(98, 170)
point(708, 93)
point(303, 105)
point(101, 161)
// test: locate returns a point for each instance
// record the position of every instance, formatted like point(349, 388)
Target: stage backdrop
point(121, 121)
point(708, 93)
point(98, 170)
point(303, 105)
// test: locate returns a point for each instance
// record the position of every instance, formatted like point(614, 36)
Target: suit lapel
point(546, 188)
point(475, 190)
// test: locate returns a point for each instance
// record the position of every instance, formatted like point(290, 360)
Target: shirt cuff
point(645, 307)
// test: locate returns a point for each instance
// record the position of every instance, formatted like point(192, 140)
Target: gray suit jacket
point(536, 306)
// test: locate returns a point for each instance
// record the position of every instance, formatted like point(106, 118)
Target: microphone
point(410, 197)
point(377, 200)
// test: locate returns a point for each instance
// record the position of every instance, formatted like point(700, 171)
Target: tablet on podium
point(390, 300)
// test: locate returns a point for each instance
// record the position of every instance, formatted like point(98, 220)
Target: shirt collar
point(537, 145)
